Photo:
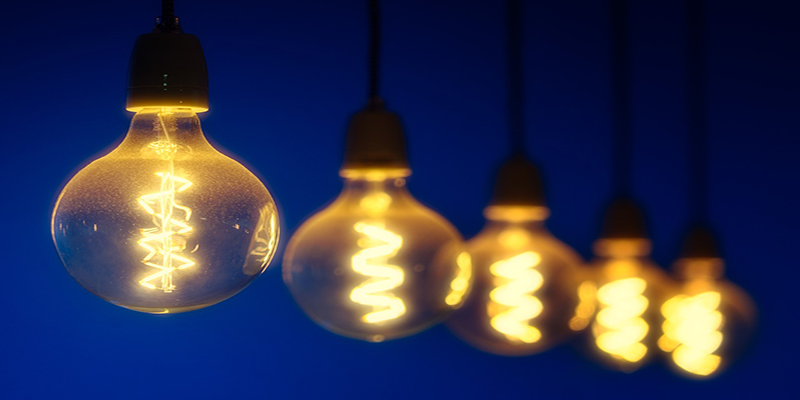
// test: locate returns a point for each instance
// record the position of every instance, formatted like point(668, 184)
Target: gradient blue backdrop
point(285, 76)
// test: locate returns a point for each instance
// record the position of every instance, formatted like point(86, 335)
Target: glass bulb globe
point(165, 223)
point(707, 322)
point(376, 264)
point(524, 296)
point(630, 290)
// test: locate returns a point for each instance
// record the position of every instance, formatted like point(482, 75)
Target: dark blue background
point(285, 76)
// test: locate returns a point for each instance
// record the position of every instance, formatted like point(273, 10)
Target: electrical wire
point(516, 127)
point(168, 22)
point(622, 153)
point(697, 127)
point(374, 49)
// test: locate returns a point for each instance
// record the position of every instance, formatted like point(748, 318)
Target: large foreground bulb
point(630, 290)
point(708, 320)
point(165, 223)
point(524, 296)
point(376, 264)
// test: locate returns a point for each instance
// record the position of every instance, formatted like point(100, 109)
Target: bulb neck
point(373, 197)
point(374, 183)
point(622, 247)
point(164, 133)
point(503, 214)
point(699, 268)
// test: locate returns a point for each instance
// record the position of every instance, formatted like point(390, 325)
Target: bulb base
point(624, 220)
point(374, 141)
point(167, 69)
point(518, 183)
point(700, 243)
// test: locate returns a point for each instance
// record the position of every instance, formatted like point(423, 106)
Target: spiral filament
point(587, 293)
point(460, 285)
point(513, 305)
point(168, 237)
point(380, 244)
point(619, 328)
point(692, 331)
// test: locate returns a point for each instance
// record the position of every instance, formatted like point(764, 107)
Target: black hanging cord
point(621, 105)
point(696, 110)
point(374, 49)
point(516, 128)
point(168, 21)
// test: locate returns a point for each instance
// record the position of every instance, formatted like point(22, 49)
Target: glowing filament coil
point(460, 285)
point(514, 296)
point(619, 328)
point(168, 238)
point(372, 262)
point(692, 331)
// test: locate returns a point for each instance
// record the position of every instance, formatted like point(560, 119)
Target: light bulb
point(524, 296)
point(376, 264)
point(708, 320)
point(630, 290)
point(165, 223)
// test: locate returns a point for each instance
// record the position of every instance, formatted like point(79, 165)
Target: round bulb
point(376, 264)
point(630, 290)
point(165, 223)
point(524, 296)
point(707, 322)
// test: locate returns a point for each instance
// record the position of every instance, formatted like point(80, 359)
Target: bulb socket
point(167, 69)
point(624, 220)
point(518, 183)
point(374, 141)
point(700, 243)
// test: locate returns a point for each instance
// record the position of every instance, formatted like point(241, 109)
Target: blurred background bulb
point(630, 291)
point(707, 319)
point(376, 264)
point(165, 223)
point(524, 297)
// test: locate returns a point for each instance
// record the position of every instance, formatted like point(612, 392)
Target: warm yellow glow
point(587, 296)
point(514, 238)
point(194, 109)
point(516, 213)
point(375, 203)
point(619, 327)
point(460, 284)
point(622, 248)
point(513, 305)
point(380, 244)
point(692, 331)
point(167, 239)
point(375, 175)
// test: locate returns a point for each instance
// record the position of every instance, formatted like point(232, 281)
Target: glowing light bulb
point(524, 294)
point(165, 223)
point(708, 320)
point(376, 264)
point(524, 298)
point(629, 291)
